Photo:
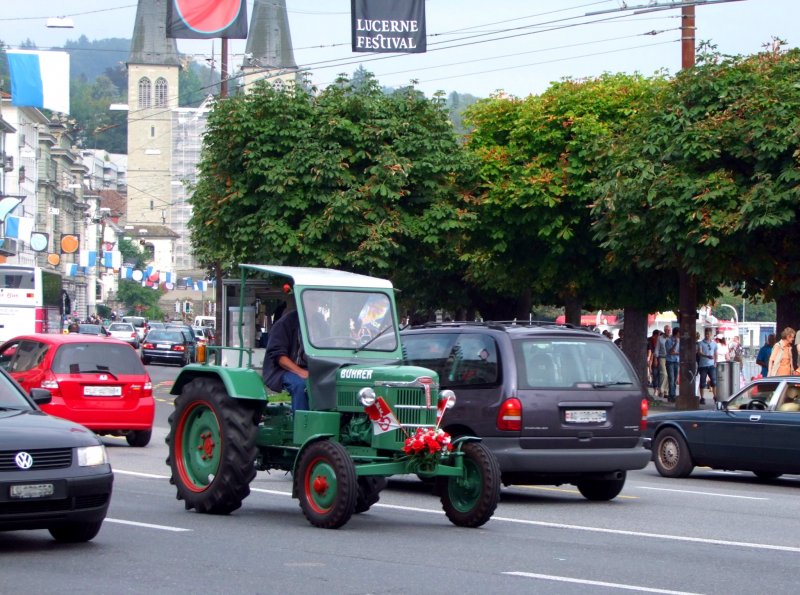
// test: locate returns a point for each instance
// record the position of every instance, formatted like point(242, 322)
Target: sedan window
point(761, 393)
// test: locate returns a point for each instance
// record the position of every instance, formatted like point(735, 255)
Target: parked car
point(139, 323)
point(54, 474)
point(200, 334)
point(93, 329)
point(757, 430)
point(97, 382)
point(169, 345)
point(124, 331)
point(151, 326)
point(555, 404)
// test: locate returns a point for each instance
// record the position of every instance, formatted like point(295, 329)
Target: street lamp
point(735, 313)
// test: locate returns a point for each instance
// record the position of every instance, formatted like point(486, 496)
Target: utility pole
point(687, 284)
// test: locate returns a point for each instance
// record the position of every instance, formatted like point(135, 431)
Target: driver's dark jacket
point(284, 339)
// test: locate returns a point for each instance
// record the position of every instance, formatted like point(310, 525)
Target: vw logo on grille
point(23, 460)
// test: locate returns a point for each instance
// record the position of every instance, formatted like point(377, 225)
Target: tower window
point(162, 89)
point(144, 92)
point(151, 205)
point(152, 132)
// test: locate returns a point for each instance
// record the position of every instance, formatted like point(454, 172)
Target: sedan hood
point(36, 430)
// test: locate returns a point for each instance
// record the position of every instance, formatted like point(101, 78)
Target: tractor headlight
point(449, 397)
point(367, 396)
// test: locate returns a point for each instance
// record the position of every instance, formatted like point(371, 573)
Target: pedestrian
point(285, 367)
point(661, 352)
point(618, 340)
point(736, 350)
point(73, 327)
point(762, 359)
point(723, 352)
point(673, 346)
point(652, 363)
point(780, 362)
point(706, 368)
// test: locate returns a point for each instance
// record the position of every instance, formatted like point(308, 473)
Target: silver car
point(124, 331)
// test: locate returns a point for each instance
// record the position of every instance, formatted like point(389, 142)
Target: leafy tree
point(132, 254)
point(350, 178)
point(704, 183)
point(138, 300)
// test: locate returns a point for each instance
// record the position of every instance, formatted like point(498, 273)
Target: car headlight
point(367, 396)
point(91, 456)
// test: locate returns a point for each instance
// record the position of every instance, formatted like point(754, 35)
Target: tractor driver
point(285, 366)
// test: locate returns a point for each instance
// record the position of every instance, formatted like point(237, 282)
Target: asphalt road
point(710, 533)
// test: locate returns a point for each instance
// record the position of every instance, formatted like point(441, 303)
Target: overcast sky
point(474, 46)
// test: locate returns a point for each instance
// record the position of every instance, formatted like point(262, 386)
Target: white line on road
point(138, 474)
point(147, 525)
point(715, 494)
point(580, 581)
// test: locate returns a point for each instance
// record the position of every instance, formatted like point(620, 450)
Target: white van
point(205, 321)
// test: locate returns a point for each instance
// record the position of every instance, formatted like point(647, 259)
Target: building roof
point(269, 42)
point(150, 44)
point(148, 230)
point(114, 201)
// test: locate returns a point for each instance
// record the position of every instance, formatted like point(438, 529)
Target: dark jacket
point(284, 339)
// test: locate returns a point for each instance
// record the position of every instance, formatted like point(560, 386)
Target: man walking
point(661, 353)
point(706, 364)
point(673, 347)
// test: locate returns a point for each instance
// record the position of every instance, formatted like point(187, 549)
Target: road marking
point(580, 581)
point(137, 474)
point(716, 495)
point(147, 525)
point(566, 491)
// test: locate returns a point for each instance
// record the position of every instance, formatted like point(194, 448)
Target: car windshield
point(10, 397)
point(339, 318)
point(117, 358)
point(121, 326)
point(570, 363)
point(90, 329)
point(134, 320)
point(167, 336)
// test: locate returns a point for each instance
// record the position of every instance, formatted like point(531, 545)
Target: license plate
point(585, 416)
point(33, 490)
point(102, 391)
point(163, 346)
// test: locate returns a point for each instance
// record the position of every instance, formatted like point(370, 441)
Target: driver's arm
point(285, 362)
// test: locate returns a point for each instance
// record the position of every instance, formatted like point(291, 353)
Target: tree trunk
point(634, 342)
point(524, 306)
point(572, 311)
point(218, 296)
point(687, 298)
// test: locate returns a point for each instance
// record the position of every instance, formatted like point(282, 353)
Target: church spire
point(269, 43)
point(150, 44)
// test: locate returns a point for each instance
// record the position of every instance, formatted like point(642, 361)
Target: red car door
point(27, 362)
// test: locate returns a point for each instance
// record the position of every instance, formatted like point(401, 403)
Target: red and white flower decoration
point(427, 442)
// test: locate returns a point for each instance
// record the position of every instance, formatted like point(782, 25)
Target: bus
point(31, 301)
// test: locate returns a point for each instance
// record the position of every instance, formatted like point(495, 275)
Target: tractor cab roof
point(311, 276)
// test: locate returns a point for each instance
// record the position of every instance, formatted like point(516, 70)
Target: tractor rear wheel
point(470, 500)
point(212, 447)
point(328, 486)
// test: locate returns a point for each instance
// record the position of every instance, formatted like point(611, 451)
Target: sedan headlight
point(91, 456)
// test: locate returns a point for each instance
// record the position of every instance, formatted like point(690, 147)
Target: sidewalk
point(662, 405)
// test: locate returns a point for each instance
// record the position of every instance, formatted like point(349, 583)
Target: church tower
point(153, 68)
point(269, 54)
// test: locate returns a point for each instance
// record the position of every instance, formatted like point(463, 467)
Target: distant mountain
point(90, 59)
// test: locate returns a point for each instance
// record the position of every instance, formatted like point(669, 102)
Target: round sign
point(207, 16)
point(137, 275)
point(53, 259)
point(38, 242)
point(69, 244)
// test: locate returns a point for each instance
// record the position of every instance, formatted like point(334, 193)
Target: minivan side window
point(460, 359)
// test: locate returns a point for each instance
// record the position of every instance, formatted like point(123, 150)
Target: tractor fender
point(240, 383)
point(456, 444)
point(309, 440)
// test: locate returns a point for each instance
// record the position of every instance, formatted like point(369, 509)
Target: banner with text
point(388, 26)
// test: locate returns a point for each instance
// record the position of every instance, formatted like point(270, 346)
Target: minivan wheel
point(601, 490)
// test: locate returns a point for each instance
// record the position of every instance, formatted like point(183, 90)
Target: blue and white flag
point(72, 269)
point(39, 79)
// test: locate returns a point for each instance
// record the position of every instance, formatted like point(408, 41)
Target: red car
point(97, 382)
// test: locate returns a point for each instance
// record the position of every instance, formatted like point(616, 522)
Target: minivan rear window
point(79, 357)
point(570, 363)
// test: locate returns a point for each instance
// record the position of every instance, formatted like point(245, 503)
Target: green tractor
point(370, 416)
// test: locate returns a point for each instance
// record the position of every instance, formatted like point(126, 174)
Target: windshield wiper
point(364, 346)
point(607, 384)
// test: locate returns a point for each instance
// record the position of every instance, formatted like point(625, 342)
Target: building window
point(152, 132)
point(144, 92)
point(161, 92)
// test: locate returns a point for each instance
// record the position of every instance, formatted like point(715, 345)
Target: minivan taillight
point(645, 411)
point(509, 418)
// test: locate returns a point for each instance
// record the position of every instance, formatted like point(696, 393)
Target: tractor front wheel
point(212, 447)
point(470, 500)
point(328, 486)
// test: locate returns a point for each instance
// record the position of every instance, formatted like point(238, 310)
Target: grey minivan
point(556, 404)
